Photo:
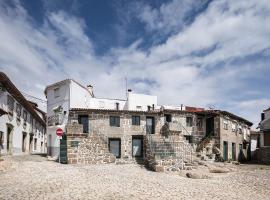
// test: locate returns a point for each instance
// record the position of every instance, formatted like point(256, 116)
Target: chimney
point(129, 90)
point(148, 108)
point(117, 106)
point(153, 106)
point(90, 89)
point(262, 116)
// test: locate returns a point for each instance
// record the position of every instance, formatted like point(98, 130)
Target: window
point(83, 119)
point(24, 115)
point(240, 129)
point(136, 120)
point(56, 92)
point(115, 147)
point(233, 127)
point(200, 122)
point(168, 117)
point(150, 125)
point(115, 121)
point(189, 121)
point(18, 110)
point(10, 102)
point(139, 107)
point(225, 125)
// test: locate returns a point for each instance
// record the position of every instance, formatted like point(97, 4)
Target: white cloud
point(34, 57)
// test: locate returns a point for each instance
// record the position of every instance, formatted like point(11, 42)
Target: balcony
point(55, 120)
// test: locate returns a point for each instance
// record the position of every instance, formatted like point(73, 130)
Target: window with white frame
point(233, 127)
point(225, 124)
point(18, 110)
point(56, 92)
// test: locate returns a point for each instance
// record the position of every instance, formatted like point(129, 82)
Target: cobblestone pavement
point(33, 177)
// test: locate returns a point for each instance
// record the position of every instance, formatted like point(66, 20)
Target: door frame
point(9, 139)
point(141, 138)
point(115, 139)
point(225, 150)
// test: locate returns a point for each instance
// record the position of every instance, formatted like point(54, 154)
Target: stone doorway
point(24, 135)
point(9, 138)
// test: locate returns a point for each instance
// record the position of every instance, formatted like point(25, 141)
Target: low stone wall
point(264, 155)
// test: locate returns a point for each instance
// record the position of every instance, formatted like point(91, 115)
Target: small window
point(225, 125)
point(83, 119)
point(139, 107)
point(10, 102)
point(189, 121)
point(18, 110)
point(168, 117)
point(56, 92)
point(136, 120)
point(233, 127)
point(115, 121)
point(24, 115)
point(200, 122)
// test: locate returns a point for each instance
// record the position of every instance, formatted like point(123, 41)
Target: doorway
point(24, 141)
point(9, 139)
point(225, 150)
point(137, 146)
point(115, 147)
point(233, 151)
point(150, 125)
point(210, 126)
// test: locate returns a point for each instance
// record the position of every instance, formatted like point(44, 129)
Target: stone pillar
point(74, 136)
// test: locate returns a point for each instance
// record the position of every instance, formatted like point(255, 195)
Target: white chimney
point(90, 89)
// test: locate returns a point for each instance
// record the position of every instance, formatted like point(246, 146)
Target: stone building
point(22, 124)
point(99, 130)
point(263, 153)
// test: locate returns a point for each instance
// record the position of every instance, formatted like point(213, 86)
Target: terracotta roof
point(218, 112)
point(12, 89)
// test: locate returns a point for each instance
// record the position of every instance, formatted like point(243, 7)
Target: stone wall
point(263, 155)
point(84, 149)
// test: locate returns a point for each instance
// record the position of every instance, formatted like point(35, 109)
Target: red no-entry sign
point(59, 132)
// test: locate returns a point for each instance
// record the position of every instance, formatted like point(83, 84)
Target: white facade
point(20, 131)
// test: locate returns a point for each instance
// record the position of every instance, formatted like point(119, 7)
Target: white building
point(67, 94)
point(22, 129)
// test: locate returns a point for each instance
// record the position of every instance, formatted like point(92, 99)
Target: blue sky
point(196, 52)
